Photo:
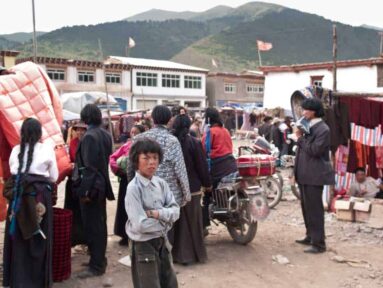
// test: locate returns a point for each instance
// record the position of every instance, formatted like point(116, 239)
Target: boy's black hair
point(144, 146)
point(315, 105)
point(161, 115)
point(359, 169)
point(91, 115)
point(212, 117)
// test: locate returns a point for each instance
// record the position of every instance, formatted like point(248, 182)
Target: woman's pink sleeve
point(122, 151)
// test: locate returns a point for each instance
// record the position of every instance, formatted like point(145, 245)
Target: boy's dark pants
point(151, 267)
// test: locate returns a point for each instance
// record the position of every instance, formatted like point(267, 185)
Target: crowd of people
point(166, 175)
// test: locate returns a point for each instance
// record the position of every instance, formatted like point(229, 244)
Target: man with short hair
point(364, 187)
point(92, 159)
point(313, 170)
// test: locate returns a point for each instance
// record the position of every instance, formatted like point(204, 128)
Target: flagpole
point(259, 57)
point(34, 32)
point(106, 89)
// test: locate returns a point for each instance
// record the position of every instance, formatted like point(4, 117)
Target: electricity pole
point(34, 32)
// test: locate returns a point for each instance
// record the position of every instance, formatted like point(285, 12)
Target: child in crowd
point(151, 210)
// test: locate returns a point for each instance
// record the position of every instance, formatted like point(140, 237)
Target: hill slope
point(161, 15)
point(296, 37)
point(226, 34)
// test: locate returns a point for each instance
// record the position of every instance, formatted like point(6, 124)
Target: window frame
point(55, 72)
point(170, 81)
point(192, 82)
point(146, 79)
point(88, 74)
point(112, 75)
point(229, 88)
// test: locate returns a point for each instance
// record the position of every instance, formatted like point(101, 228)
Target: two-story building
point(245, 88)
point(135, 83)
point(363, 75)
point(164, 82)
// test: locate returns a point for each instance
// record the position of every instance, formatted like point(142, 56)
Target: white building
point(364, 75)
point(135, 83)
point(164, 82)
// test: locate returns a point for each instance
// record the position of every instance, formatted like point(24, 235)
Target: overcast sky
point(16, 15)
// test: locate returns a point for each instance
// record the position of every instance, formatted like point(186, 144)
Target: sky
point(16, 15)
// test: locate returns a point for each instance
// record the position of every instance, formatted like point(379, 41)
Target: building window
point(113, 78)
point(193, 82)
point(230, 88)
point(254, 88)
point(146, 104)
point(193, 104)
point(171, 103)
point(56, 74)
point(171, 81)
point(85, 76)
point(317, 80)
point(146, 79)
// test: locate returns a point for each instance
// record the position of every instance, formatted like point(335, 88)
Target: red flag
point(264, 46)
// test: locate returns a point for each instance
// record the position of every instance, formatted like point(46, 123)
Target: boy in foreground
point(151, 210)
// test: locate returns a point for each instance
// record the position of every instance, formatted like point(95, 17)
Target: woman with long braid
point(28, 235)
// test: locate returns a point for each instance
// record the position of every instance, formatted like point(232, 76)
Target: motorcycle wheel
point(278, 176)
point(273, 191)
point(245, 232)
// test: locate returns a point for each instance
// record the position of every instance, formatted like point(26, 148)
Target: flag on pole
point(214, 63)
point(131, 43)
point(264, 46)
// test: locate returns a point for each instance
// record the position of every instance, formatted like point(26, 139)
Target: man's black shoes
point(304, 241)
point(315, 250)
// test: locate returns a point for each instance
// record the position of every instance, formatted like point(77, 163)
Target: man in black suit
point(92, 158)
point(313, 170)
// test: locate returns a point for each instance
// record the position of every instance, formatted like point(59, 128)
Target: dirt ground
point(358, 248)
point(232, 265)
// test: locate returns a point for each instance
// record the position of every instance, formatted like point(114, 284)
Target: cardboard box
point(376, 216)
point(344, 210)
point(362, 211)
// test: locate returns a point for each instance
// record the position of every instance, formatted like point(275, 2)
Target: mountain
point(216, 12)
point(159, 40)
point(226, 34)
point(21, 37)
point(6, 44)
point(161, 15)
point(371, 27)
point(296, 37)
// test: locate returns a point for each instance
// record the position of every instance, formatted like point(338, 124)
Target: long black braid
point(31, 133)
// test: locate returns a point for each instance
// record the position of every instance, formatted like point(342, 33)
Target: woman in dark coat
point(29, 227)
point(188, 246)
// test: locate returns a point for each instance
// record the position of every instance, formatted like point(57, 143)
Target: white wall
point(159, 90)
point(279, 86)
point(71, 75)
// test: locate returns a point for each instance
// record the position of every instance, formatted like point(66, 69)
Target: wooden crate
point(344, 210)
point(362, 211)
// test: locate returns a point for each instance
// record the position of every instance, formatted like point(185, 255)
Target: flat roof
point(156, 64)
point(322, 65)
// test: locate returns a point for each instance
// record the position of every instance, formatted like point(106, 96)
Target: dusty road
point(232, 265)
